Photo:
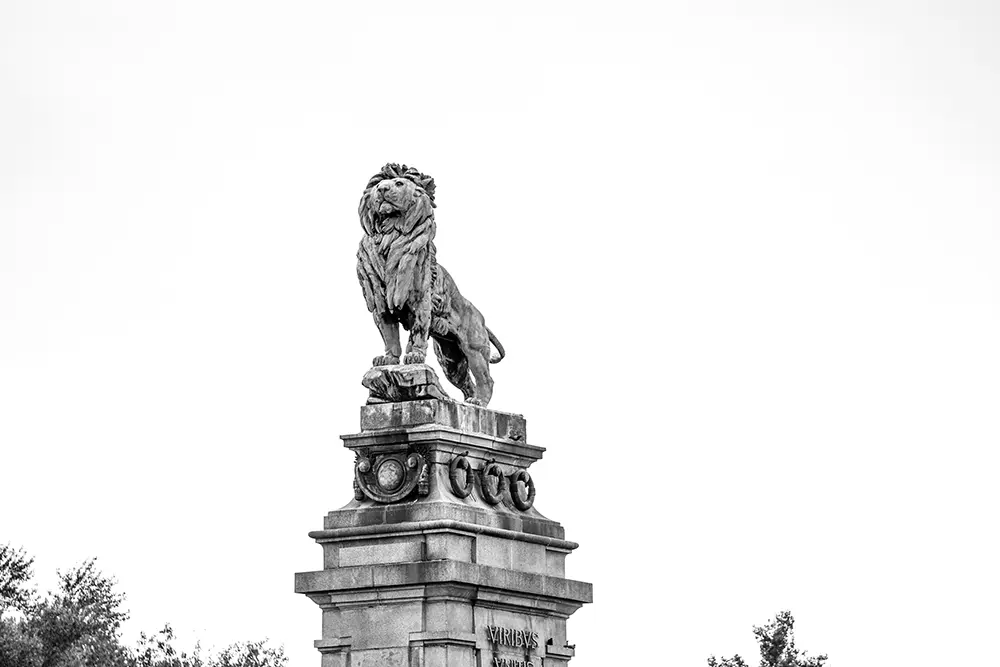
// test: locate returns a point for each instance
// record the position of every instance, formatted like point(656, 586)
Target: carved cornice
point(417, 527)
point(510, 587)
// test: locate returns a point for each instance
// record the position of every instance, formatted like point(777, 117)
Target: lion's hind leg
point(455, 365)
point(479, 368)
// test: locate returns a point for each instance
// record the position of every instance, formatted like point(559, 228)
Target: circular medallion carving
point(390, 475)
point(388, 478)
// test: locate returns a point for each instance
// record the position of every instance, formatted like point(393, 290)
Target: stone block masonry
point(441, 559)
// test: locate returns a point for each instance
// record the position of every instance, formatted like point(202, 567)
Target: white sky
point(743, 257)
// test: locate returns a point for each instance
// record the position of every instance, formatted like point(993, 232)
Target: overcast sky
point(743, 257)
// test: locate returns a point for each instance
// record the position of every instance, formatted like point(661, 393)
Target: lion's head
point(398, 197)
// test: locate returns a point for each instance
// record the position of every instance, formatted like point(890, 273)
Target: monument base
point(441, 560)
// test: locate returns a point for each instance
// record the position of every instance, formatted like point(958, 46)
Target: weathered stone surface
point(412, 382)
point(448, 574)
point(398, 552)
point(459, 603)
point(450, 414)
point(328, 582)
point(391, 519)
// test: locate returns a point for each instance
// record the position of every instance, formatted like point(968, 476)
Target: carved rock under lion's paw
point(412, 382)
point(385, 360)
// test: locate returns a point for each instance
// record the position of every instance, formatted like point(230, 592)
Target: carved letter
point(534, 639)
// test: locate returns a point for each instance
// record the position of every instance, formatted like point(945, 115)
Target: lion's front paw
point(385, 360)
point(474, 401)
point(414, 358)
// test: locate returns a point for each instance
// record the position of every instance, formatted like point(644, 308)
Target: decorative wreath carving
point(460, 463)
point(387, 478)
point(491, 469)
point(525, 502)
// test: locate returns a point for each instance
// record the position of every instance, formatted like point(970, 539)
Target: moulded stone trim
point(428, 572)
point(439, 525)
point(333, 644)
point(444, 435)
point(446, 637)
point(531, 606)
point(560, 653)
point(461, 416)
point(366, 598)
point(427, 509)
point(518, 603)
point(439, 509)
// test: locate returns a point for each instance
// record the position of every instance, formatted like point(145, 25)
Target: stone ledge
point(443, 437)
point(451, 414)
point(333, 644)
point(357, 515)
point(448, 637)
point(438, 571)
point(561, 652)
point(439, 525)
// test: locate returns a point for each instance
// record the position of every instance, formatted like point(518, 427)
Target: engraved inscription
point(509, 662)
point(498, 634)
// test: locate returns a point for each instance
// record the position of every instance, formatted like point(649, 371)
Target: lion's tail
point(495, 359)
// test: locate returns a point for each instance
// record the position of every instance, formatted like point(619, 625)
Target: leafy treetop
point(777, 647)
point(79, 625)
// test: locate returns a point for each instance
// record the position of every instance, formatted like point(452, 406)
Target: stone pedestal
point(441, 559)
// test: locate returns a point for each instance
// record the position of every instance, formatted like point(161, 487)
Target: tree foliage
point(79, 625)
point(250, 654)
point(776, 640)
point(15, 579)
point(158, 650)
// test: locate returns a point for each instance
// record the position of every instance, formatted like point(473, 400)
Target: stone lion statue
point(404, 284)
